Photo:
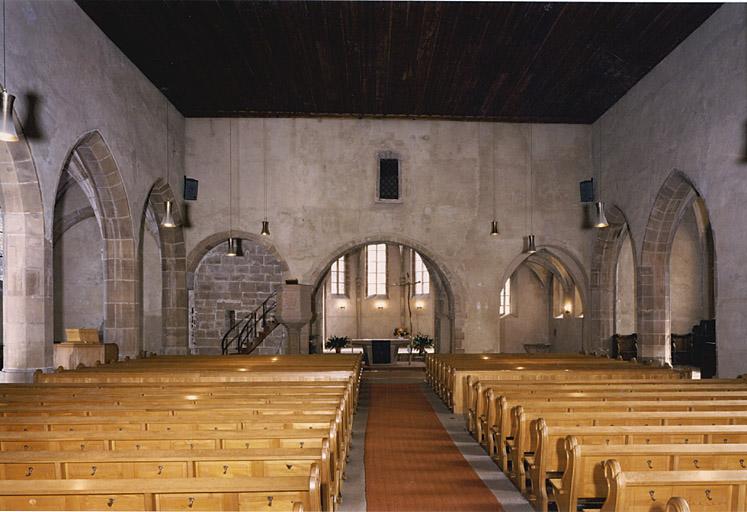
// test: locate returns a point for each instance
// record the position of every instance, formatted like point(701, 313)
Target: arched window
point(337, 277)
point(422, 277)
point(505, 298)
point(376, 270)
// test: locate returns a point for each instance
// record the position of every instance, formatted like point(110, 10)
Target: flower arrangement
point(401, 332)
point(420, 342)
point(337, 342)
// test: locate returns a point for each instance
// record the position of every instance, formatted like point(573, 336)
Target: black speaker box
point(190, 189)
point(587, 190)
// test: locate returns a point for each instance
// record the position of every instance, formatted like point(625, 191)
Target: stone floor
point(354, 487)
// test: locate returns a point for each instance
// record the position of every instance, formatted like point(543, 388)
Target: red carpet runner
point(411, 462)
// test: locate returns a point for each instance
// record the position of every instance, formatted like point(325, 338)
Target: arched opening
point(625, 310)
point(224, 289)
point(27, 305)
point(613, 283)
point(95, 279)
point(542, 305)
point(163, 276)
point(676, 284)
point(383, 290)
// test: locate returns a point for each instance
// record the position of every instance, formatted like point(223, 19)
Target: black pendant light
point(265, 223)
point(531, 246)
point(7, 125)
point(494, 223)
point(232, 242)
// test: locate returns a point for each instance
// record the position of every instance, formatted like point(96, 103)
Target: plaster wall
point(686, 276)
point(688, 114)
point(321, 176)
point(70, 79)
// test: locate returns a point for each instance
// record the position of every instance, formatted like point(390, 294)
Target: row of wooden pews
point(576, 432)
point(181, 433)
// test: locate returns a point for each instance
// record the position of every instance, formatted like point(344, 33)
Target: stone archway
point(564, 267)
point(450, 283)
point(173, 267)
point(222, 290)
point(676, 194)
point(27, 298)
point(605, 254)
point(92, 166)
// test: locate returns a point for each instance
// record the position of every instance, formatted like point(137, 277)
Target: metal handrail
point(246, 328)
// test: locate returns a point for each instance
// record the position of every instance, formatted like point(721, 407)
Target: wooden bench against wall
point(88, 438)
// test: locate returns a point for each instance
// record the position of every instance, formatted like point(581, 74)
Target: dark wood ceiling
point(542, 62)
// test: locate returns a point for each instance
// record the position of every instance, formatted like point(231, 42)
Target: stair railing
point(245, 331)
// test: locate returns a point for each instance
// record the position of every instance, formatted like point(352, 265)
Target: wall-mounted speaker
point(587, 190)
point(190, 189)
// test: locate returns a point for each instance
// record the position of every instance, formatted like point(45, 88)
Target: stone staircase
point(249, 333)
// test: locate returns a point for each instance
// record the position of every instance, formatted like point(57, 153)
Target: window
point(505, 306)
point(388, 181)
point(376, 270)
point(422, 277)
point(337, 277)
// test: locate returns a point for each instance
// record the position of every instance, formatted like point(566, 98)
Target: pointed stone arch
point(676, 194)
point(173, 266)
point(448, 280)
point(563, 266)
point(27, 298)
point(605, 254)
point(91, 164)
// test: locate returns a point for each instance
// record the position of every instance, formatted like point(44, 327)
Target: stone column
point(294, 312)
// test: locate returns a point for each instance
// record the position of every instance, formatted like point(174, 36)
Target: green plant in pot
point(421, 342)
point(337, 342)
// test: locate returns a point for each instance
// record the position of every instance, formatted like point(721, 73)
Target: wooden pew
point(483, 394)
point(629, 412)
point(250, 494)
point(583, 478)
point(549, 457)
point(497, 419)
point(637, 491)
point(524, 443)
point(170, 464)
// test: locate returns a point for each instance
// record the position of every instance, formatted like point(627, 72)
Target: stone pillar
point(294, 312)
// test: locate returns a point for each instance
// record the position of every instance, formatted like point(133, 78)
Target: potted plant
point(420, 342)
point(401, 332)
point(337, 342)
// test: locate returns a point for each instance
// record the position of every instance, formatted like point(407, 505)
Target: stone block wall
point(239, 283)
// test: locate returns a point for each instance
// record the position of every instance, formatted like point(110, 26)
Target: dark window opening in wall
point(389, 179)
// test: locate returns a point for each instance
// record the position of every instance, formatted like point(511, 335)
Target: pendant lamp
point(494, 223)
point(531, 246)
point(600, 220)
point(7, 125)
point(232, 242)
point(168, 218)
point(265, 223)
point(232, 247)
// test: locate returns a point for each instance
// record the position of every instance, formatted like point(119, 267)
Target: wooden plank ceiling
point(540, 62)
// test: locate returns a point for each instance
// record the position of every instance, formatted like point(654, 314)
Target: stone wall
point(238, 283)
point(687, 116)
point(321, 196)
